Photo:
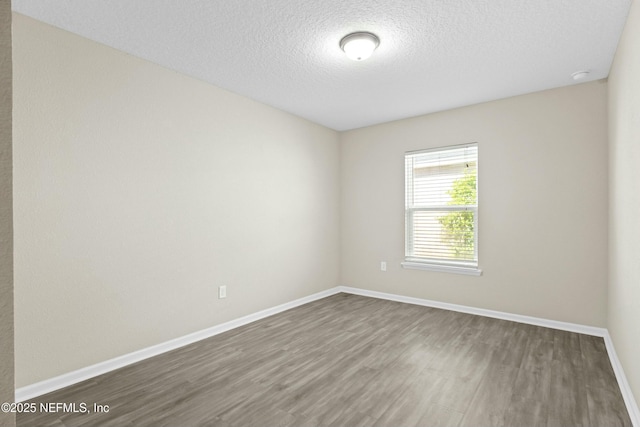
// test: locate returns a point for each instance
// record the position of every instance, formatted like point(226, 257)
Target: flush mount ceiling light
point(359, 46)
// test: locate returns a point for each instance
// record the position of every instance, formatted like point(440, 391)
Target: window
point(441, 209)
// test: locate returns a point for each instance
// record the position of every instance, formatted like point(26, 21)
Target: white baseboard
point(625, 389)
point(627, 395)
point(70, 378)
point(553, 324)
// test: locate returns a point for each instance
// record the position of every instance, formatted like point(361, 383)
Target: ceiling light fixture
point(359, 46)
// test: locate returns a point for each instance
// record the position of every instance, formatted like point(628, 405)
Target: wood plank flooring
point(348, 360)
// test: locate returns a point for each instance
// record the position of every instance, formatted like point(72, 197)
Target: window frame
point(436, 264)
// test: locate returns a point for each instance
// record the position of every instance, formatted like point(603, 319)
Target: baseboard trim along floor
point(70, 378)
point(625, 388)
point(553, 324)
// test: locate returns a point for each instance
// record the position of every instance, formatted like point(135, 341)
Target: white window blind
point(441, 206)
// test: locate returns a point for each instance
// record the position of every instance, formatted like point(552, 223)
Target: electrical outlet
point(222, 292)
point(383, 266)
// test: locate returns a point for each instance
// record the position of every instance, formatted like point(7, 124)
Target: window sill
point(469, 271)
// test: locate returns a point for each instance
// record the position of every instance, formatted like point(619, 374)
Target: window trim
point(445, 266)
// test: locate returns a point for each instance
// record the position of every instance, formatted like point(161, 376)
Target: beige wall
point(139, 190)
point(542, 198)
point(6, 226)
point(624, 201)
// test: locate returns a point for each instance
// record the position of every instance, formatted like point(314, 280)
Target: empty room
point(337, 213)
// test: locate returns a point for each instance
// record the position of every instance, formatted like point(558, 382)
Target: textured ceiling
point(433, 55)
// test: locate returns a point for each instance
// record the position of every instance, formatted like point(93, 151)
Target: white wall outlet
point(383, 265)
point(222, 292)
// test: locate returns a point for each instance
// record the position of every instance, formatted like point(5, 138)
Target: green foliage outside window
point(458, 226)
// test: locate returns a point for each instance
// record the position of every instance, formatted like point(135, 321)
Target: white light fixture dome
point(359, 46)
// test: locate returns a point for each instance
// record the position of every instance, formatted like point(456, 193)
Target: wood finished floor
point(348, 360)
